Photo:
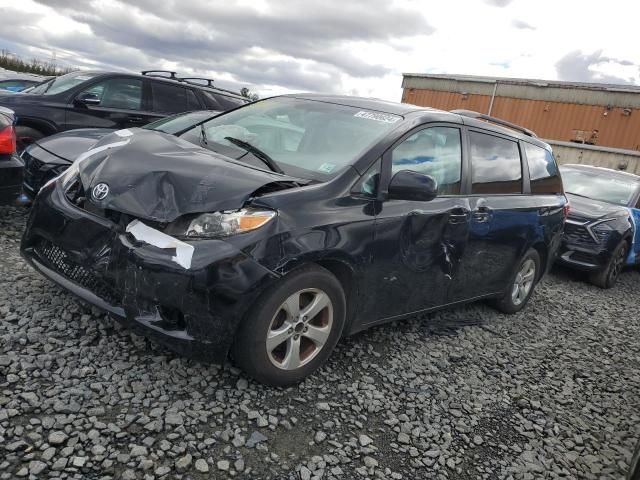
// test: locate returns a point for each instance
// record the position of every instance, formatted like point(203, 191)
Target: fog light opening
point(172, 318)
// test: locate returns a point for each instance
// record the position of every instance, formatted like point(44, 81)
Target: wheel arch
point(543, 252)
point(44, 126)
point(340, 266)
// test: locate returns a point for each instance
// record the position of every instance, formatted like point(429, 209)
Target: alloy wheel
point(617, 265)
point(523, 282)
point(299, 329)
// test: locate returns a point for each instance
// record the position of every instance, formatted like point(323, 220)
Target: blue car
point(601, 233)
point(19, 84)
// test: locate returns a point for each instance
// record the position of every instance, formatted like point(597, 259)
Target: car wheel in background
point(608, 277)
point(522, 284)
point(25, 136)
point(292, 328)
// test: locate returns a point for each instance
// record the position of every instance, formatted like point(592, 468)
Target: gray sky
point(354, 47)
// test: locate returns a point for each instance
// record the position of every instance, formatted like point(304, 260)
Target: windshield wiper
point(578, 195)
point(256, 152)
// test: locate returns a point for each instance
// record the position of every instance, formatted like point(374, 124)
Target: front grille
point(58, 260)
point(583, 257)
point(33, 174)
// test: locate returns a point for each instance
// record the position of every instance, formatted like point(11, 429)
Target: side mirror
point(409, 185)
point(87, 99)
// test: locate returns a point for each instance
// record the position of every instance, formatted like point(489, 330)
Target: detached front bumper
point(193, 311)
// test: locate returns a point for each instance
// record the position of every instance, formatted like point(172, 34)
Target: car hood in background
point(591, 209)
point(69, 145)
point(157, 176)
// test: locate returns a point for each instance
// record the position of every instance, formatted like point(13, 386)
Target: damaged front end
point(140, 254)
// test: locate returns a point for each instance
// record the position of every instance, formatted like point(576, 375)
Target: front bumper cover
point(193, 311)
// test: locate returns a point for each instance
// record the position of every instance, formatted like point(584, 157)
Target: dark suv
point(110, 100)
point(601, 235)
point(277, 228)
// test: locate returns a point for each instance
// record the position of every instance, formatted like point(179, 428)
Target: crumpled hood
point(156, 176)
point(69, 145)
point(591, 209)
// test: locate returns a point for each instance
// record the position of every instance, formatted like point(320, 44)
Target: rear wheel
point(522, 284)
point(608, 277)
point(25, 136)
point(293, 328)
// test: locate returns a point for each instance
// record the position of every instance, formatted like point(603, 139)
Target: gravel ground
point(465, 394)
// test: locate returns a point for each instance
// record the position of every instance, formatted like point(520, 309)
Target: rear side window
point(434, 151)
point(495, 164)
point(221, 102)
point(543, 171)
point(192, 101)
point(169, 98)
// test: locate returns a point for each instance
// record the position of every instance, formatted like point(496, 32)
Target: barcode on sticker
point(378, 117)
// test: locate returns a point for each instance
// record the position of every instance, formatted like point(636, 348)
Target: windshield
point(304, 138)
point(611, 189)
point(181, 121)
point(61, 84)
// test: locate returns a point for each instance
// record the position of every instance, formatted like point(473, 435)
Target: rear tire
point(293, 327)
point(608, 277)
point(521, 285)
point(25, 136)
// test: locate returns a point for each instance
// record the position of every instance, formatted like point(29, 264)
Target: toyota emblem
point(100, 191)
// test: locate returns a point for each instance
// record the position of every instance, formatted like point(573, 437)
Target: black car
point(10, 164)
point(298, 220)
point(600, 235)
point(87, 99)
point(50, 156)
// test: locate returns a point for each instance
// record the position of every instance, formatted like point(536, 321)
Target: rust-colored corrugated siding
point(554, 120)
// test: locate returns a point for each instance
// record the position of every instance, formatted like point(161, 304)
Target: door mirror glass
point(87, 98)
point(409, 185)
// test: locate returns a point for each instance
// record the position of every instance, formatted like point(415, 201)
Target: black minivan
point(271, 231)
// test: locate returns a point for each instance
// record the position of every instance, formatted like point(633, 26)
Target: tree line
point(12, 62)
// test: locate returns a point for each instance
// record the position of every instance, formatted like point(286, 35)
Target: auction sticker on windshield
point(378, 117)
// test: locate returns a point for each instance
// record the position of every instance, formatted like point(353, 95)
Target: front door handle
point(136, 119)
point(458, 215)
point(481, 214)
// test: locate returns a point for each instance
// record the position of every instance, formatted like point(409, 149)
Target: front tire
point(293, 327)
point(608, 277)
point(522, 284)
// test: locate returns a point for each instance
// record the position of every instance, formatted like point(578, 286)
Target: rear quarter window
point(169, 98)
point(221, 102)
point(496, 167)
point(543, 171)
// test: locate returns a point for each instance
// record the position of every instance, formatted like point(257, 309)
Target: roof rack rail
point(191, 80)
point(498, 121)
point(154, 73)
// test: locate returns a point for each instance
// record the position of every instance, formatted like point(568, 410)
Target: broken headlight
point(223, 224)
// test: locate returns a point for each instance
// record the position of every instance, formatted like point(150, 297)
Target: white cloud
point(354, 47)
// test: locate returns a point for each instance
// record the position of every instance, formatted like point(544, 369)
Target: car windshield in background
point(61, 84)
point(611, 189)
point(179, 122)
point(304, 138)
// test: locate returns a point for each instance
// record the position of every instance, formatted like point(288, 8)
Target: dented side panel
point(418, 247)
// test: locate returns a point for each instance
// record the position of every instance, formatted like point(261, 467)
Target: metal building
point(591, 113)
